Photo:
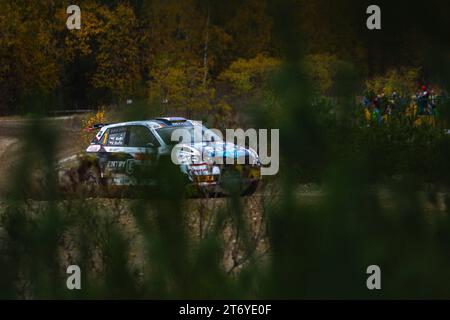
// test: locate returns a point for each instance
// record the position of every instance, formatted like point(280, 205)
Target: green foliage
point(180, 86)
point(162, 245)
point(322, 69)
point(403, 81)
point(331, 76)
point(382, 197)
point(249, 75)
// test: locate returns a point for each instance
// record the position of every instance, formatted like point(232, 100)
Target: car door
point(143, 147)
point(114, 157)
point(128, 153)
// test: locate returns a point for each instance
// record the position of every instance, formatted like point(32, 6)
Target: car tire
point(90, 180)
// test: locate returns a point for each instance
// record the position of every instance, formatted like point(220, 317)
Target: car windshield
point(196, 134)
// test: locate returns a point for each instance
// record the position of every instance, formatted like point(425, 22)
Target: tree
point(249, 75)
point(403, 80)
point(330, 74)
point(180, 86)
point(118, 56)
point(84, 42)
point(28, 52)
point(250, 28)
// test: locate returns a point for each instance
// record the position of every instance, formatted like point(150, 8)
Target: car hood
point(220, 152)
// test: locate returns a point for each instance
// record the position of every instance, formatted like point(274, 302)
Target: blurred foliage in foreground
point(164, 246)
point(370, 212)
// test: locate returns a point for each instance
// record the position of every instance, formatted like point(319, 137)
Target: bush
point(88, 122)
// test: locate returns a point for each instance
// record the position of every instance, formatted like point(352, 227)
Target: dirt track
point(12, 130)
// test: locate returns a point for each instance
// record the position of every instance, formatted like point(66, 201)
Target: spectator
point(376, 111)
point(423, 100)
point(433, 102)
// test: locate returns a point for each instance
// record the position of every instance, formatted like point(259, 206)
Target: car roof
point(150, 123)
point(154, 123)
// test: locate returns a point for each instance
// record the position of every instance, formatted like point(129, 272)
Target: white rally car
point(119, 152)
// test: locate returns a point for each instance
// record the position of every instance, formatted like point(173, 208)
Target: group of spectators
point(379, 108)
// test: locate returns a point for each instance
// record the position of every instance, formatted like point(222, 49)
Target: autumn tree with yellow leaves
point(118, 56)
point(167, 52)
point(189, 55)
point(28, 52)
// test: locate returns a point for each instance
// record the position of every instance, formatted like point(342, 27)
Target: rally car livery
point(121, 152)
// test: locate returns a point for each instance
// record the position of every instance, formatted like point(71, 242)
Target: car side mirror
point(150, 145)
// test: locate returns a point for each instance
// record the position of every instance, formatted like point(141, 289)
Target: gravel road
point(11, 133)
